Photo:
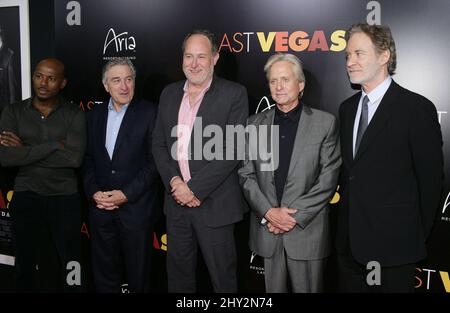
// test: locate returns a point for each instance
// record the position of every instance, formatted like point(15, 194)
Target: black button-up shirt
point(44, 168)
point(288, 124)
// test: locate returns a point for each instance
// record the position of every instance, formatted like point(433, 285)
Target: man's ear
point(384, 56)
point(216, 58)
point(63, 84)
point(106, 87)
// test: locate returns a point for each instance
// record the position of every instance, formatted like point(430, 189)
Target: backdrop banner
point(150, 33)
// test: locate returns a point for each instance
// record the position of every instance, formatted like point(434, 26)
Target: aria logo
point(124, 288)
point(252, 256)
point(264, 105)
point(444, 208)
point(258, 269)
point(122, 42)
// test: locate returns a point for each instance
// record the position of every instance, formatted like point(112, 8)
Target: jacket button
point(113, 171)
point(351, 177)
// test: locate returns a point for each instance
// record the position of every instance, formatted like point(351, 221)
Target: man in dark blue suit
point(392, 169)
point(120, 181)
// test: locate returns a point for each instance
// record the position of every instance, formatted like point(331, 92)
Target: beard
point(200, 78)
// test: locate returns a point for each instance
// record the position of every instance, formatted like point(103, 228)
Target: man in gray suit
point(289, 191)
point(203, 199)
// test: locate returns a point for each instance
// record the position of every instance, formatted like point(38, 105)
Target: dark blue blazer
point(131, 169)
point(391, 190)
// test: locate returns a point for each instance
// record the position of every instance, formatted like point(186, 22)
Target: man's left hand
point(9, 139)
point(194, 203)
point(274, 230)
point(115, 198)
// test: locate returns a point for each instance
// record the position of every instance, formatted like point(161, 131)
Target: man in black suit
point(392, 171)
point(203, 199)
point(120, 180)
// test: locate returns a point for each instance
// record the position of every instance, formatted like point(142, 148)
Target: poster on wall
point(14, 51)
point(14, 86)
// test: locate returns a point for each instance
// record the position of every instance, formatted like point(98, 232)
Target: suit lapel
point(268, 121)
point(267, 176)
point(347, 136)
point(206, 101)
point(300, 139)
point(378, 121)
point(175, 109)
point(127, 124)
point(102, 124)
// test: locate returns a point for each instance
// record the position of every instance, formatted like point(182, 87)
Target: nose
point(123, 84)
point(350, 60)
point(194, 62)
point(43, 81)
point(279, 85)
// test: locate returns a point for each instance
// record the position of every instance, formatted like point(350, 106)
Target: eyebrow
point(50, 75)
point(118, 77)
point(198, 54)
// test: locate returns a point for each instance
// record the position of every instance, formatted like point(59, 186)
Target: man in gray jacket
point(289, 190)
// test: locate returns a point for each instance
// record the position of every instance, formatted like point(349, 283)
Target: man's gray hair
point(117, 61)
point(298, 68)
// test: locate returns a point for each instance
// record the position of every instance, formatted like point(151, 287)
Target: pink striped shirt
point(186, 118)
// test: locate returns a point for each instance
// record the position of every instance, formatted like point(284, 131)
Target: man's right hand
point(100, 199)
point(182, 194)
point(175, 181)
point(281, 218)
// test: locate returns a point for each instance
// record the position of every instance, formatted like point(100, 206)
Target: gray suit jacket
point(311, 182)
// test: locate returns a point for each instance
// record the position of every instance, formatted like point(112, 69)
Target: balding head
point(48, 79)
point(54, 63)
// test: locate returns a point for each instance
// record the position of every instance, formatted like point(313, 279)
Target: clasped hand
point(182, 194)
point(109, 200)
point(9, 139)
point(280, 220)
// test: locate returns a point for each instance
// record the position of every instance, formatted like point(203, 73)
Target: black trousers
point(119, 253)
point(186, 231)
point(394, 279)
point(47, 237)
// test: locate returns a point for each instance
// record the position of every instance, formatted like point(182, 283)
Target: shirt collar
point(59, 102)
point(186, 86)
point(376, 94)
point(29, 103)
point(292, 115)
point(111, 106)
